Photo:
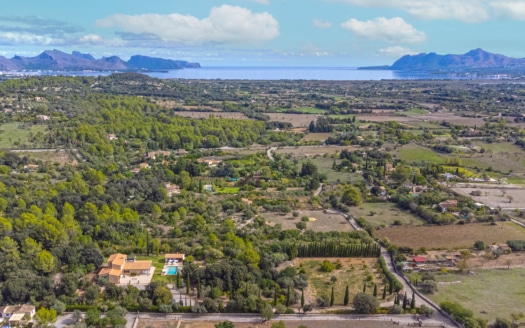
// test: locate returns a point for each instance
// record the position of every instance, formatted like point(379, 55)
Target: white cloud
point(225, 24)
point(512, 9)
point(471, 11)
point(396, 51)
point(393, 30)
point(26, 38)
point(91, 39)
point(319, 23)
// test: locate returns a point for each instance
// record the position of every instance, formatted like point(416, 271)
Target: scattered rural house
point(479, 205)
point(171, 189)
point(144, 166)
point(500, 248)
point(16, 315)
point(181, 152)
point(30, 168)
point(39, 99)
point(450, 176)
point(211, 162)
point(172, 264)
point(389, 168)
point(419, 260)
point(246, 201)
point(43, 117)
point(135, 170)
point(154, 154)
point(449, 203)
point(111, 136)
point(208, 187)
point(120, 266)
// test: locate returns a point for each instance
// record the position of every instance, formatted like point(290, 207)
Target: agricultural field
point(59, 156)
point(454, 236)
point(316, 136)
point(354, 272)
point(493, 196)
point(319, 221)
point(304, 110)
point(488, 293)
point(416, 153)
point(17, 135)
point(314, 150)
point(324, 164)
point(384, 214)
point(297, 120)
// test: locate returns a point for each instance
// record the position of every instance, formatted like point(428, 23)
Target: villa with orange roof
point(120, 268)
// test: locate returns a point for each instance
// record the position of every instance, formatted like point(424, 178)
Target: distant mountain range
point(55, 60)
point(474, 59)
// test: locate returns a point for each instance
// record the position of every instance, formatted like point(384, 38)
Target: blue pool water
point(172, 270)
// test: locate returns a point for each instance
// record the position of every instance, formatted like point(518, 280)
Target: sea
point(286, 73)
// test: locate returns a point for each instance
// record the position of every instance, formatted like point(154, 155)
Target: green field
point(16, 135)
point(324, 164)
point(384, 214)
point(489, 293)
point(415, 153)
point(354, 273)
point(227, 190)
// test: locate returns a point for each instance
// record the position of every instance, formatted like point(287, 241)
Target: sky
point(317, 33)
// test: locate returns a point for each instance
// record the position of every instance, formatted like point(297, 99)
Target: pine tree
point(347, 297)
point(364, 287)
point(413, 302)
point(198, 288)
point(405, 301)
point(188, 285)
point(375, 290)
point(302, 298)
point(384, 292)
point(332, 297)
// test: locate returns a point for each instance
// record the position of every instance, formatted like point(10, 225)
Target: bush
point(327, 266)
point(365, 303)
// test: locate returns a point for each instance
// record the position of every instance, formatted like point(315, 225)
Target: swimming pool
point(172, 270)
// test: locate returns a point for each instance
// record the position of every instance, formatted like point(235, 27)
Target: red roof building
point(419, 259)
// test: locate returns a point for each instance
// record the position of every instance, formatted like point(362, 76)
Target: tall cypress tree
point(405, 301)
point(413, 302)
point(188, 285)
point(288, 297)
point(177, 280)
point(332, 297)
point(347, 297)
point(364, 287)
point(384, 292)
point(198, 288)
point(302, 298)
point(274, 295)
point(375, 290)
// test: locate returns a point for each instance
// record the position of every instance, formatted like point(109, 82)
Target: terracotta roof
point(117, 259)
point(174, 256)
point(137, 265)
point(419, 259)
point(109, 271)
point(26, 308)
point(17, 317)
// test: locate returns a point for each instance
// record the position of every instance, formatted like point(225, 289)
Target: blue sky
point(264, 32)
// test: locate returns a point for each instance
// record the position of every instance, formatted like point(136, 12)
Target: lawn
point(319, 221)
point(354, 273)
point(54, 156)
point(453, 236)
point(384, 214)
point(489, 293)
point(14, 135)
point(416, 153)
point(227, 190)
